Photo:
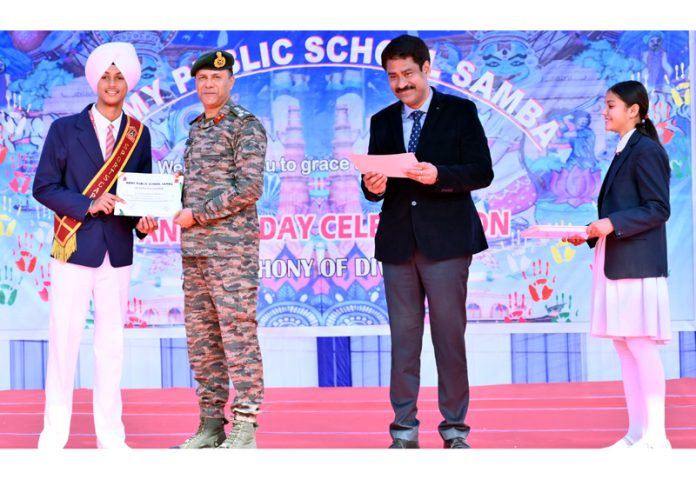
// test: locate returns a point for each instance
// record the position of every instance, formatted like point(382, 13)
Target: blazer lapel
point(602, 190)
point(88, 138)
point(615, 166)
point(396, 127)
point(432, 117)
point(121, 128)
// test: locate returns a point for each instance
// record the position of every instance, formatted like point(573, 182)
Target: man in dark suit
point(428, 231)
point(92, 249)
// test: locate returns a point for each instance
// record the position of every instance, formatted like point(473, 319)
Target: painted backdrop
point(539, 97)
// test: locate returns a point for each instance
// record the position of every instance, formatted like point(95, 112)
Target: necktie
point(415, 131)
point(109, 142)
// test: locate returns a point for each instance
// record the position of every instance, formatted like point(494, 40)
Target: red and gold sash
point(65, 228)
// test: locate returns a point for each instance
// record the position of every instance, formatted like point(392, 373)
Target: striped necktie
point(415, 131)
point(110, 140)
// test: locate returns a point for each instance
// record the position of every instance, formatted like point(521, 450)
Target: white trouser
point(72, 287)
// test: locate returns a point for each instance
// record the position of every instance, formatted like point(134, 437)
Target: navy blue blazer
point(440, 220)
point(69, 160)
point(635, 197)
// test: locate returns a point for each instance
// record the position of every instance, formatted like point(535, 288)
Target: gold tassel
point(62, 253)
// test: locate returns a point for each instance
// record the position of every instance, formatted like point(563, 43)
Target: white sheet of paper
point(554, 231)
point(390, 165)
point(149, 194)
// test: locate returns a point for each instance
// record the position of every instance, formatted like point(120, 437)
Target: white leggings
point(644, 387)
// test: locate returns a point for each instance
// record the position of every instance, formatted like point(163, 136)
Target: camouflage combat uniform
point(224, 163)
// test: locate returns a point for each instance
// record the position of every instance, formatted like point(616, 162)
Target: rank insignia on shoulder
point(240, 112)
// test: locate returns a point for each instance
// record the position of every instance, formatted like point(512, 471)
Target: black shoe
point(456, 443)
point(404, 444)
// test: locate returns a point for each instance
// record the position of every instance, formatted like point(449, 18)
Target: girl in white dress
point(630, 302)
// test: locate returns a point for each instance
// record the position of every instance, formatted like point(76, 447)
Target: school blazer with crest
point(70, 158)
point(635, 197)
point(439, 220)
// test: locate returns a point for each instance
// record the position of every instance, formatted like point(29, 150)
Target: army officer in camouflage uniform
point(224, 164)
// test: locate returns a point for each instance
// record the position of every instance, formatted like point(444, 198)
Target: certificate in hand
point(390, 165)
point(554, 231)
point(149, 194)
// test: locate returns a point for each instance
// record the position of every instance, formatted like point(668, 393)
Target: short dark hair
point(405, 46)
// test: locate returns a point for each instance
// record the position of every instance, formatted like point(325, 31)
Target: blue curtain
point(546, 358)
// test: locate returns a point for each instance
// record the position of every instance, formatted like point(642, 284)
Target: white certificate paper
point(149, 194)
point(554, 231)
point(390, 165)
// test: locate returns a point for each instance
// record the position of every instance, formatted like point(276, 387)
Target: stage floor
point(538, 416)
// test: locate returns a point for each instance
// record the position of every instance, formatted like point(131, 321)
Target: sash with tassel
point(65, 228)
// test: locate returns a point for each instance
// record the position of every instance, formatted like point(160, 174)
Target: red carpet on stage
point(559, 415)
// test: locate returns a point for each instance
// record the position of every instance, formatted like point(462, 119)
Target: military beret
point(217, 60)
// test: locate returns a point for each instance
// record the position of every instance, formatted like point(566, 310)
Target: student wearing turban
point(92, 249)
